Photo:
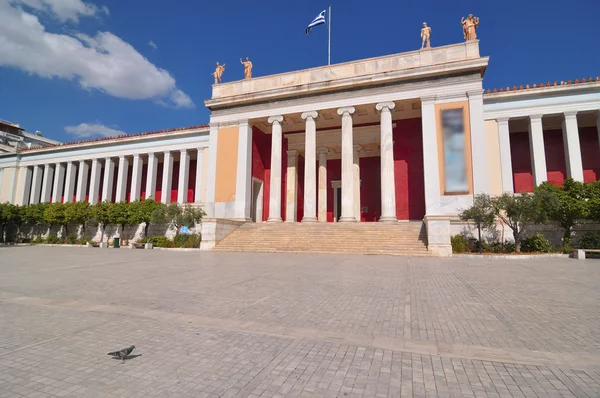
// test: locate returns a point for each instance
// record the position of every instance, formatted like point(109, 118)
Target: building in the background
point(13, 138)
point(402, 137)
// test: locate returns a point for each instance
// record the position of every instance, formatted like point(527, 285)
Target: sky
point(81, 69)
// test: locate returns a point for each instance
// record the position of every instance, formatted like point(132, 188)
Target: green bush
point(179, 240)
point(536, 243)
point(72, 239)
point(192, 241)
point(499, 247)
point(53, 239)
point(591, 240)
point(38, 239)
point(460, 244)
point(160, 241)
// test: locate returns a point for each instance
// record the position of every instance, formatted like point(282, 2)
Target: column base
point(309, 219)
point(278, 219)
point(347, 219)
point(388, 219)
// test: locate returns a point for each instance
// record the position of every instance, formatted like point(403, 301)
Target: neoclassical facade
point(402, 137)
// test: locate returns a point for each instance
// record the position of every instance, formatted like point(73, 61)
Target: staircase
point(403, 238)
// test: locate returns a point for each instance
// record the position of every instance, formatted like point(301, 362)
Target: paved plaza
point(273, 325)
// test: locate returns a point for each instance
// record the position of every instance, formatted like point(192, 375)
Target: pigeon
point(122, 354)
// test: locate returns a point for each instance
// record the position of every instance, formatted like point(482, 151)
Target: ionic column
point(82, 181)
point(537, 150)
point(109, 176)
point(356, 167)
point(70, 183)
point(199, 187)
point(322, 184)
point(59, 182)
point(310, 167)
point(167, 178)
point(184, 171)
point(292, 183)
point(388, 185)
point(47, 183)
point(25, 179)
point(36, 185)
point(505, 156)
point(275, 183)
point(572, 147)
point(431, 171)
point(136, 178)
point(151, 177)
point(121, 194)
point(348, 209)
point(479, 161)
point(95, 182)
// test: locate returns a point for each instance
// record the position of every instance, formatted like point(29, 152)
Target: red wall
point(370, 189)
point(408, 169)
point(261, 164)
point(334, 172)
point(555, 157)
point(590, 153)
point(521, 162)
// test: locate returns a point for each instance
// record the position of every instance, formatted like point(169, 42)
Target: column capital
point(292, 152)
point(167, 153)
point(474, 94)
point(182, 150)
point(570, 114)
point(428, 99)
point(536, 118)
point(358, 148)
point(121, 157)
point(311, 114)
point(346, 109)
point(322, 149)
point(503, 120)
point(277, 118)
point(385, 106)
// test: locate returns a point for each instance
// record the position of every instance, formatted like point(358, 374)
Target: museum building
point(396, 140)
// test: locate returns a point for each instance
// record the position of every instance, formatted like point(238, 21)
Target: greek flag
point(320, 19)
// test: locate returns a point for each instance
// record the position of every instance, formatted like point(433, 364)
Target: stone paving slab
point(274, 325)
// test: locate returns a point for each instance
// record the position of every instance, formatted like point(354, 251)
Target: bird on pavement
point(122, 354)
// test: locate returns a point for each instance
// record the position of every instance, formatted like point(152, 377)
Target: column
point(199, 182)
point(82, 181)
point(184, 175)
point(47, 183)
point(481, 177)
point(151, 177)
point(388, 185)
point(136, 178)
point(431, 171)
point(70, 183)
point(36, 185)
point(505, 156)
point(243, 186)
point(109, 177)
point(292, 184)
point(356, 168)
point(275, 183)
point(572, 147)
point(348, 210)
point(167, 178)
point(211, 173)
point(121, 194)
point(322, 184)
point(25, 179)
point(95, 182)
point(310, 167)
point(537, 150)
point(59, 182)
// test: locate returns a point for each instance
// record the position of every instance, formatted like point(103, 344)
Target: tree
point(55, 214)
point(119, 214)
point(79, 213)
point(173, 216)
point(565, 205)
point(593, 203)
point(517, 212)
point(482, 213)
point(148, 212)
point(9, 215)
point(34, 214)
point(101, 213)
point(178, 216)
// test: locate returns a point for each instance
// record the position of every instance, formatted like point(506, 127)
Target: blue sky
point(77, 69)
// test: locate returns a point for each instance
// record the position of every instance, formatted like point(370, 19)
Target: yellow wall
point(493, 155)
point(227, 153)
point(440, 141)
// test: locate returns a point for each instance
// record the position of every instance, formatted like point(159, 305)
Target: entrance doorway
point(256, 211)
point(337, 199)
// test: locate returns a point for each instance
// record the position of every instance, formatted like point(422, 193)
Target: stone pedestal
point(131, 246)
point(148, 246)
point(438, 235)
point(103, 245)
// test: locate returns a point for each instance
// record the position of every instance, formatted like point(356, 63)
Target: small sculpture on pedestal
point(425, 36)
point(470, 27)
point(247, 68)
point(218, 73)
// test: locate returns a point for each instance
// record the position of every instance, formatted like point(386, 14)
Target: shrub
point(53, 239)
point(38, 239)
point(499, 247)
point(536, 243)
point(179, 240)
point(160, 241)
point(71, 239)
point(591, 240)
point(459, 244)
point(193, 241)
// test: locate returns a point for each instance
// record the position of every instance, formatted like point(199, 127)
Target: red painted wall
point(191, 193)
point(261, 163)
point(300, 189)
point(521, 162)
point(144, 180)
point(334, 172)
point(555, 157)
point(159, 174)
point(370, 188)
point(408, 169)
point(590, 153)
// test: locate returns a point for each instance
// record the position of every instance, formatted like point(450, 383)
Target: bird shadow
point(128, 357)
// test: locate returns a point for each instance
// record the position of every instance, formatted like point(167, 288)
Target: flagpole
point(329, 38)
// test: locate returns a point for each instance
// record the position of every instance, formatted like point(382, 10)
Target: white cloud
point(63, 10)
point(87, 130)
point(152, 44)
point(103, 62)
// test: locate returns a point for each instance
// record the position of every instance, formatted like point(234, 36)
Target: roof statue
point(425, 36)
point(218, 73)
point(247, 68)
point(469, 27)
